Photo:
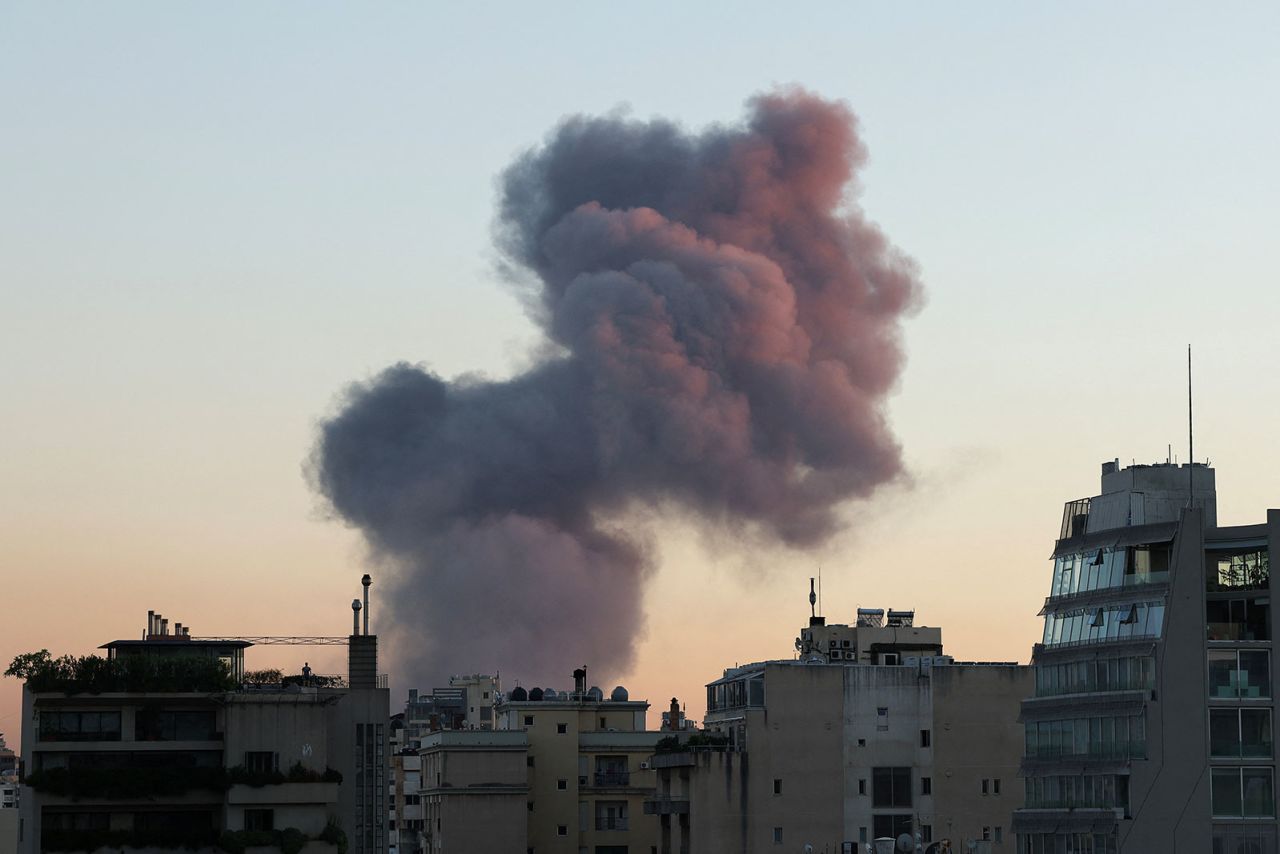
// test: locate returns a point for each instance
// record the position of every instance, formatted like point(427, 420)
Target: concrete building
point(1151, 728)
point(166, 742)
point(870, 733)
point(563, 772)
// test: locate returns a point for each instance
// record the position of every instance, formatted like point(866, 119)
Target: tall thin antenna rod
point(1191, 440)
point(820, 587)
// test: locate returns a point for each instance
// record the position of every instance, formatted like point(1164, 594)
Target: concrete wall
point(1169, 792)
point(976, 737)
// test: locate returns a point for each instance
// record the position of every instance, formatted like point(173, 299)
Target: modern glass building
point(1151, 727)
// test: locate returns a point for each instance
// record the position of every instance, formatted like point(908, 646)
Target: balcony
point(613, 778)
point(611, 823)
point(666, 805)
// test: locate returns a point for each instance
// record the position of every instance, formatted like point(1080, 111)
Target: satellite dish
point(906, 843)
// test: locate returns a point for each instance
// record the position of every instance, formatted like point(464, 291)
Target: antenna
point(819, 587)
point(813, 597)
point(1191, 440)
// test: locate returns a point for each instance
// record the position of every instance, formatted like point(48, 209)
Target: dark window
point(777, 836)
point(926, 833)
point(777, 786)
point(261, 760)
point(259, 819)
point(562, 830)
point(603, 724)
point(79, 726)
point(528, 760)
point(926, 785)
point(562, 728)
point(985, 784)
point(862, 787)
point(562, 785)
point(891, 826)
point(530, 806)
point(995, 786)
point(890, 787)
point(925, 738)
point(167, 725)
point(528, 720)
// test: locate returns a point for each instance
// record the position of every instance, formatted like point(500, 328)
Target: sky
point(214, 218)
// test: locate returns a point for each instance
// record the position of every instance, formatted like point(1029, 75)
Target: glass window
point(1256, 740)
point(1255, 673)
point(891, 787)
point(1225, 787)
point(1259, 792)
point(1222, 673)
point(1224, 733)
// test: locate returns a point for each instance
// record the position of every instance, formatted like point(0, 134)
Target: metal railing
point(613, 778)
point(611, 823)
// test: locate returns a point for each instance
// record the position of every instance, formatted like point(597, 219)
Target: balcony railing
point(613, 778)
point(611, 823)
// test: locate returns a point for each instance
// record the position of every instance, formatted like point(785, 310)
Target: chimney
point(673, 722)
point(366, 581)
point(151, 623)
point(580, 680)
point(177, 630)
point(355, 617)
point(164, 626)
point(362, 650)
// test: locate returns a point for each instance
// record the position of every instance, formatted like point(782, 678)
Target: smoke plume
point(723, 329)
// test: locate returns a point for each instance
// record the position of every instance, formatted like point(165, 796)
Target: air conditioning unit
point(836, 655)
point(644, 766)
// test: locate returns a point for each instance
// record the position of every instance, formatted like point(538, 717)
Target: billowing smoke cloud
point(726, 329)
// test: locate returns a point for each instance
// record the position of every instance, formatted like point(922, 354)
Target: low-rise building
point(871, 733)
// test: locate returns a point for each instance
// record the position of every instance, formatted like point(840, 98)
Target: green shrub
point(93, 674)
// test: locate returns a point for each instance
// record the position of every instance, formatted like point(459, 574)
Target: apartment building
point(168, 741)
point(573, 765)
point(1151, 728)
point(870, 733)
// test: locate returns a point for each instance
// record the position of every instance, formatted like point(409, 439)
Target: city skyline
point(198, 261)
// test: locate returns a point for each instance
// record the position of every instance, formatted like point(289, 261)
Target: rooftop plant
point(93, 674)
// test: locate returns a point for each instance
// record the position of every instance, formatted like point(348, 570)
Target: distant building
point(871, 733)
point(1152, 724)
point(185, 746)
point(562, 772)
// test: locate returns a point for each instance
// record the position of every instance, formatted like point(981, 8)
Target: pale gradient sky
point(213, 216)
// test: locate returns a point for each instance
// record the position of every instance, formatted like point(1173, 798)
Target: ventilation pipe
point(355, 616)
point(164, 626)
point(151, 623)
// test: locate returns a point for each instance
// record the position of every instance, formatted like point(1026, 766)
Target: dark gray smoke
point(726, 331)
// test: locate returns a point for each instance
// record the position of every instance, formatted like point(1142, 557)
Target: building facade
point(1151, 728)
point(870, 734)
point(165, 743)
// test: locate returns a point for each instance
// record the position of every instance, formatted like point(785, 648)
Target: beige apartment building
point(871, 733)
point(563, 773)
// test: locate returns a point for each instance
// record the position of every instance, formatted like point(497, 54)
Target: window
point(862, 834)
point(562, 728)
point(604, 724)
point(259, 819)
point(985, 786)
point(777, 836)
point(1240, 733)
point(1238, 619)
point(611, 815)
point(995, 786)
point(926, 785)
point(158, 725)
point(528, 720)
point(862, 787)
point(530, 805)
point(1239, 674)
point(777, 786)
point(890, 787)
point(986, 834)
point(999, 834)
point(79, 726)
point(1248, 570)
point(562, 830)
point(925, 738)
point(926, 833)
point(882, 718)
point(528, 761)
point(862, 742)
point(1243, 793)
point(486, 695)
point(261, 760)
point(562, 785)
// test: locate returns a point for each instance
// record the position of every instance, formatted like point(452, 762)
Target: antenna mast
point(1191, 440)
